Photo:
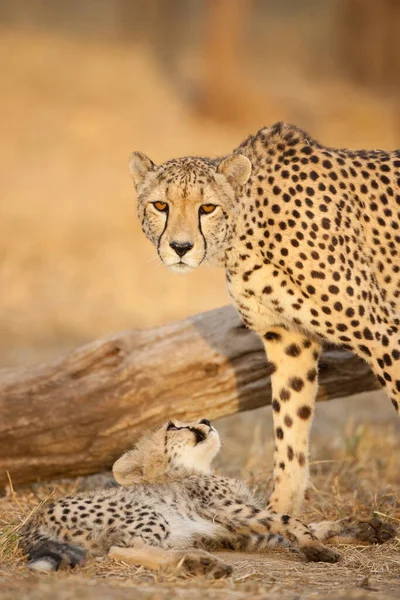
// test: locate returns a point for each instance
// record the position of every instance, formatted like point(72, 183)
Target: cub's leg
point(244, 520)
point(188, 562)
point(294, 386)
point(354, 531)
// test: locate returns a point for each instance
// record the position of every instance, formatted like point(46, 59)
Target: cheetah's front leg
point(294, 386)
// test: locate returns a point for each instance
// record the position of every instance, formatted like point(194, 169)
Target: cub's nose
point(205, 422)
point(181, 249)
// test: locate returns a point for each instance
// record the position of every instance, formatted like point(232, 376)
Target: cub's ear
point(126, 470)
point(139, 166)
point(236, 168)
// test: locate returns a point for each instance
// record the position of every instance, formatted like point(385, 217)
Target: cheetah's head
point(186, 205)
point(172, 450)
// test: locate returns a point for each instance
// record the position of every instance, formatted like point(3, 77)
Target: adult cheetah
point(308, 237)
point(170, 503)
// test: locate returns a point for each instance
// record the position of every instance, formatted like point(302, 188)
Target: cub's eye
point(161, 206)
point(171, 426)
point(207, 209)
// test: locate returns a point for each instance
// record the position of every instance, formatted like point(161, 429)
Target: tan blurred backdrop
point(85, 82)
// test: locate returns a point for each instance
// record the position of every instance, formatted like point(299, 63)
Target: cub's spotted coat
point(309, 239)
point(170, 503)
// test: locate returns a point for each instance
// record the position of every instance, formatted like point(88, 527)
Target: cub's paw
point(373, 531)
point(202, 563)
point(319, 553)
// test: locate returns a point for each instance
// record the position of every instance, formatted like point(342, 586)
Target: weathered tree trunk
point(77, 414)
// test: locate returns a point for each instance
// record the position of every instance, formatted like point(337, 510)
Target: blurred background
point(85, 82)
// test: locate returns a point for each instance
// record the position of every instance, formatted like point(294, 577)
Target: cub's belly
point(184, 531)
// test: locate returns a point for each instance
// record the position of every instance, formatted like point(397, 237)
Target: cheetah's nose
point(181, 249)
point(205, 422)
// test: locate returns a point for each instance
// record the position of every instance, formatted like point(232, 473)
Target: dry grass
point(357, 475)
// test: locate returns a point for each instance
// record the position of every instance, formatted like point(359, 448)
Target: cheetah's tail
point(50, 555)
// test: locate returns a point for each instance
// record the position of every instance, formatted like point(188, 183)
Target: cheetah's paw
point(319, 553)
point(197, 562)
point(373, 531)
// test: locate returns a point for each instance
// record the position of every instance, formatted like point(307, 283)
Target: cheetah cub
point(171, 508)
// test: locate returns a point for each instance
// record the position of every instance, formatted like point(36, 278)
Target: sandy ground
point(360, 576)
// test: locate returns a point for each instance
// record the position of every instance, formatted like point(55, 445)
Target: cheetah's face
point(173, 449)
point(186, 206)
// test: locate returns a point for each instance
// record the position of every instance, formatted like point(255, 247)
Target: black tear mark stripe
point(202, 235)
point(162, 233)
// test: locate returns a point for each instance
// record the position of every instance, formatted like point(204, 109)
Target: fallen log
point(75, 415)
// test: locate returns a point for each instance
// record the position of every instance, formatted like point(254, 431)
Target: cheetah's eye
point(160, 206)
point(207, 209)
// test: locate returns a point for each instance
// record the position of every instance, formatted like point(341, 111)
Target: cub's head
point(173, 449)
point(186, 206)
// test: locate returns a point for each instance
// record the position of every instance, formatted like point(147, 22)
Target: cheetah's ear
point(236, 168)
point(126, 469)
point(139, 166)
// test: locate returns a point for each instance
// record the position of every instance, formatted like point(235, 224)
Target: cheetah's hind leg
point(185, 562)
point(354, 531)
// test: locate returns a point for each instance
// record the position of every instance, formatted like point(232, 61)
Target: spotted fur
point(309, 239)
point(169, 503)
